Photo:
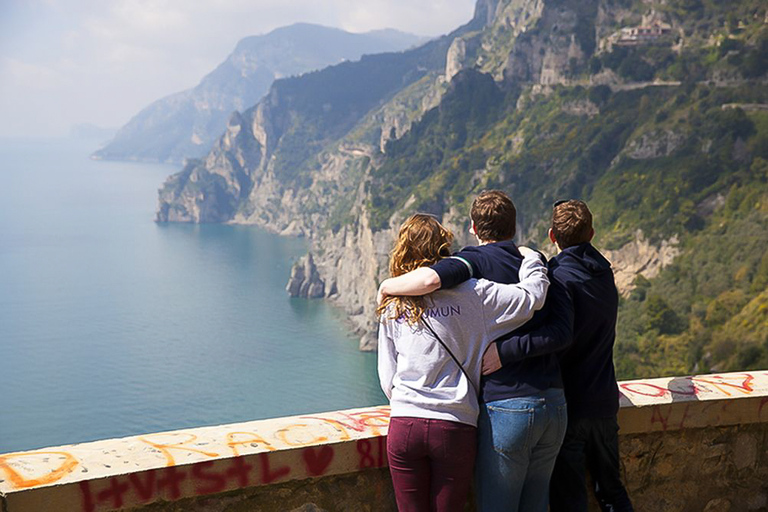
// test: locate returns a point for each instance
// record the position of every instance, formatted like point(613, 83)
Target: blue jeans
point(518, 442)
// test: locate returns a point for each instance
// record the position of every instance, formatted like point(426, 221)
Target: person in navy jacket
point(589, 379)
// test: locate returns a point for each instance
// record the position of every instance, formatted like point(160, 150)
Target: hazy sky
point(64, 62)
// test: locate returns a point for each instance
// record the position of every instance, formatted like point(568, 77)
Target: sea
point(112, 325)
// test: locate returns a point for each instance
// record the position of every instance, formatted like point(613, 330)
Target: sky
point(67, 62)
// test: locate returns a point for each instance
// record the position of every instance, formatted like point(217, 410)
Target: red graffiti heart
point(317, 461)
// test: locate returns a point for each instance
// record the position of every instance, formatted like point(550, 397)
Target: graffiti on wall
point(120, 473)
point(714, 386)
point(206, 460)
point(216, 476)
point(683, 402)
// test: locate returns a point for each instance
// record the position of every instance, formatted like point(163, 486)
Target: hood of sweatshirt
point(584, 256)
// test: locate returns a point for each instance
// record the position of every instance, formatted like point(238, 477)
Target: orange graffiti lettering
point(253, 439)
point(283, 435)
point(176, 446)
point(338, 425)
point(376, 418)
point(745, 386)
point(358, 421)
point(57, 474)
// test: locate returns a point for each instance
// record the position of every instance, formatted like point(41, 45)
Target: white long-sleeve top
point(417, 374)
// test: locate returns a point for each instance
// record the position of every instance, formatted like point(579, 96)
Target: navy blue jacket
point(588, 373)
point(529, 361)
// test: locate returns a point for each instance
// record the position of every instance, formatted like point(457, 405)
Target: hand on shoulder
point(526, 251)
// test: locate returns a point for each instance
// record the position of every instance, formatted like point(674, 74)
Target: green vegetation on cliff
point(434, 154)
point(319, 108)
point(709, 309)
point(688, 162)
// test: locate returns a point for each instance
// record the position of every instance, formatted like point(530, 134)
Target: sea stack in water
point(305, 280)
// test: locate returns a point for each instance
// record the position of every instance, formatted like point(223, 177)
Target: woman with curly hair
point(430, 359)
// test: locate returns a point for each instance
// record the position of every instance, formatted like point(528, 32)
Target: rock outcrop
point(305, 280)
point(639, 257)
point(655, 145)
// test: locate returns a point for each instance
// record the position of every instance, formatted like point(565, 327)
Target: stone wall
point(688, 444)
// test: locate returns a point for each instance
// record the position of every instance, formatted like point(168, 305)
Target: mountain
point(187, 124)
point(655, 113)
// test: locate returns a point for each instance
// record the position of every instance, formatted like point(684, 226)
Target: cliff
point(186, 124)
point(540, 99)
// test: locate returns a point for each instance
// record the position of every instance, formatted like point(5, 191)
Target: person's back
point(467, 319)
point(591, 439)
point(500, 262)
point(587, 365)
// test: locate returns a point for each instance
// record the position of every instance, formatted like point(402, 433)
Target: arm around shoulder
point(555, 335)
point(511, 305)
point(417, 282)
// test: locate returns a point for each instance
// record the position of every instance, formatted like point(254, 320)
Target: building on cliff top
point(642, 34)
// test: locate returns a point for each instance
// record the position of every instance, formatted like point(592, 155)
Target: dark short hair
point(571, 223)
point(494, 215)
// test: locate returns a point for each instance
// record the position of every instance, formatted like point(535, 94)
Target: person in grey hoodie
point(430, 362)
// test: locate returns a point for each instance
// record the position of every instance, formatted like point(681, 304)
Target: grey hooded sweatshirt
point(417, 374)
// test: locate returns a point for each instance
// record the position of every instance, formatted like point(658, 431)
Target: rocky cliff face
point(209, 190)
point(640, 257)
point(242, 180)
point(306, 160)
point(656, 144)
point(353, 261)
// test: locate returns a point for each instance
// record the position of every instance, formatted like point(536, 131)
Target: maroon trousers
point(431, 463)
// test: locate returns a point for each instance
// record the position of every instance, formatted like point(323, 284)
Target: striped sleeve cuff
point(465, 262)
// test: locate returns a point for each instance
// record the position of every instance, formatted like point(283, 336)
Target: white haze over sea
point(70, 62)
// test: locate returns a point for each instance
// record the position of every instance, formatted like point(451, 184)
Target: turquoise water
point(112, 325)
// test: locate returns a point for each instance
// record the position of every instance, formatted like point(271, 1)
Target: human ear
point(553, 239)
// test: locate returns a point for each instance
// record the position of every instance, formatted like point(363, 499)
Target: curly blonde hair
point(421, 242)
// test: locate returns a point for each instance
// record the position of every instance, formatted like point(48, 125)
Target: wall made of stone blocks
point(715, 469)
point(365, 491)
